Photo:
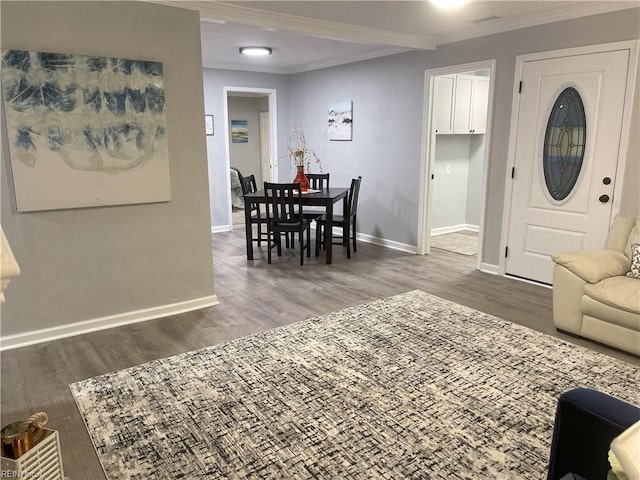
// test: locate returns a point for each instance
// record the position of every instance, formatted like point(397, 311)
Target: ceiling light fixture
point(255, 51)
point(449, 4)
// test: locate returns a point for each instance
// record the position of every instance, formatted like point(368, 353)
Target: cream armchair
point(592, 295)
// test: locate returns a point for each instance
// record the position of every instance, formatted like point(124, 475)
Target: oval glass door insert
point(564, 144)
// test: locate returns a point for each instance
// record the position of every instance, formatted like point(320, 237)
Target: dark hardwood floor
point(253, 297)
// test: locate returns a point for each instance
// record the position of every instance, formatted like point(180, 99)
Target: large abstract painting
point(85, 131)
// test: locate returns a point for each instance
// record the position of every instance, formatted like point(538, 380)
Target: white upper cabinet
point(461, 103)
point(479, 104)
point(443, 98)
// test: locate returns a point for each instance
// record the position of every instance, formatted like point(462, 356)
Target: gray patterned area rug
point(456, 243)
point(408, 387)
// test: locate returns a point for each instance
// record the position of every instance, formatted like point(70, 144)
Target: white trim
point(489, 268)
point(383, 242)
point(454, 228)
point(78, 328)
point(221, 228)
point(633, 47)
point(273, 115)
point(428, 153)
point(631, 99)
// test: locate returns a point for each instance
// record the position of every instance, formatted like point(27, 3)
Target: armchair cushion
point(594, 265)
point(620, 292)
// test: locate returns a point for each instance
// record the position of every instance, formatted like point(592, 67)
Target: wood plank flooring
point(253, 297)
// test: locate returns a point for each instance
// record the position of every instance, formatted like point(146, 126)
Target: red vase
point(301, 178)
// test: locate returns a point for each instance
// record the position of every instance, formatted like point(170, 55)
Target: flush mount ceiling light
point(255, 51)
point(449, 4)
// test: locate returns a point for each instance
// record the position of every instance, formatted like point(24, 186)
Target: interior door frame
point(273, 115)
point(428, 152)
point(632, 46)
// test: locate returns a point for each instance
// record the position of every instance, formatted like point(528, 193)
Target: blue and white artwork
point(340, 121)
point(85, 131)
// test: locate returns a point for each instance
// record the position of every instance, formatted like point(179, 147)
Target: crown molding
point(220, 11)
point(558, 14)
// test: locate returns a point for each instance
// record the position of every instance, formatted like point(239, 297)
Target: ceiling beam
point(224, 12)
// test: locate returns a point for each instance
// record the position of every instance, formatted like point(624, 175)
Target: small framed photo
point(208, 124)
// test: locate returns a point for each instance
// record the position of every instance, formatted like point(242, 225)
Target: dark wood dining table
point(326, 197)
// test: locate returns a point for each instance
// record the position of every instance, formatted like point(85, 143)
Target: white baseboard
point(387, 243)
point(489, 268)
point(221, 228)
point(54, 333)
point(454, 228)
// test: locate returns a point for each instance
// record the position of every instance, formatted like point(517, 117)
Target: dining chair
point(284, 217)
point(348, 223)
point(317, 181)
point(258, 218)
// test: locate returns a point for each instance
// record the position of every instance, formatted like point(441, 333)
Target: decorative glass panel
point(564, 144)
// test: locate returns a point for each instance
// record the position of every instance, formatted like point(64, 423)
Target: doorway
point(456, 134)
point(252, 148)
point(567, 153)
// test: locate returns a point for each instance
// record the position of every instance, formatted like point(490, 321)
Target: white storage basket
point(41, 462)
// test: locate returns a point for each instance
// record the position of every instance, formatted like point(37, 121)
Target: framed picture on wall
point(239, 131)
point(208, 124)
point(341, 121)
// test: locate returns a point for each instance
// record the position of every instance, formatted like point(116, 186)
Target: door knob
point(604, 198)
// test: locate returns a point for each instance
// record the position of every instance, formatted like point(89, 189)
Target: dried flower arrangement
point(299, 154)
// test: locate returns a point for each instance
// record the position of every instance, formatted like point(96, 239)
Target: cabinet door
point(462, 109)
point(443, 103)
point(479, 105)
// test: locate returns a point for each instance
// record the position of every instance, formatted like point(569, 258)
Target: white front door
point(567, 141)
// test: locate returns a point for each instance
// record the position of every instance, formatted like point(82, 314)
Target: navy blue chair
point(586, 423)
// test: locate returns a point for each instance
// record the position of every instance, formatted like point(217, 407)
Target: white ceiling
point(310, 34)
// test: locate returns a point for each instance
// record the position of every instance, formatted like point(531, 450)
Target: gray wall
point(449, 196)
point(457, 196)
point(214, 82)
point(388, 96)
point(88, 263)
